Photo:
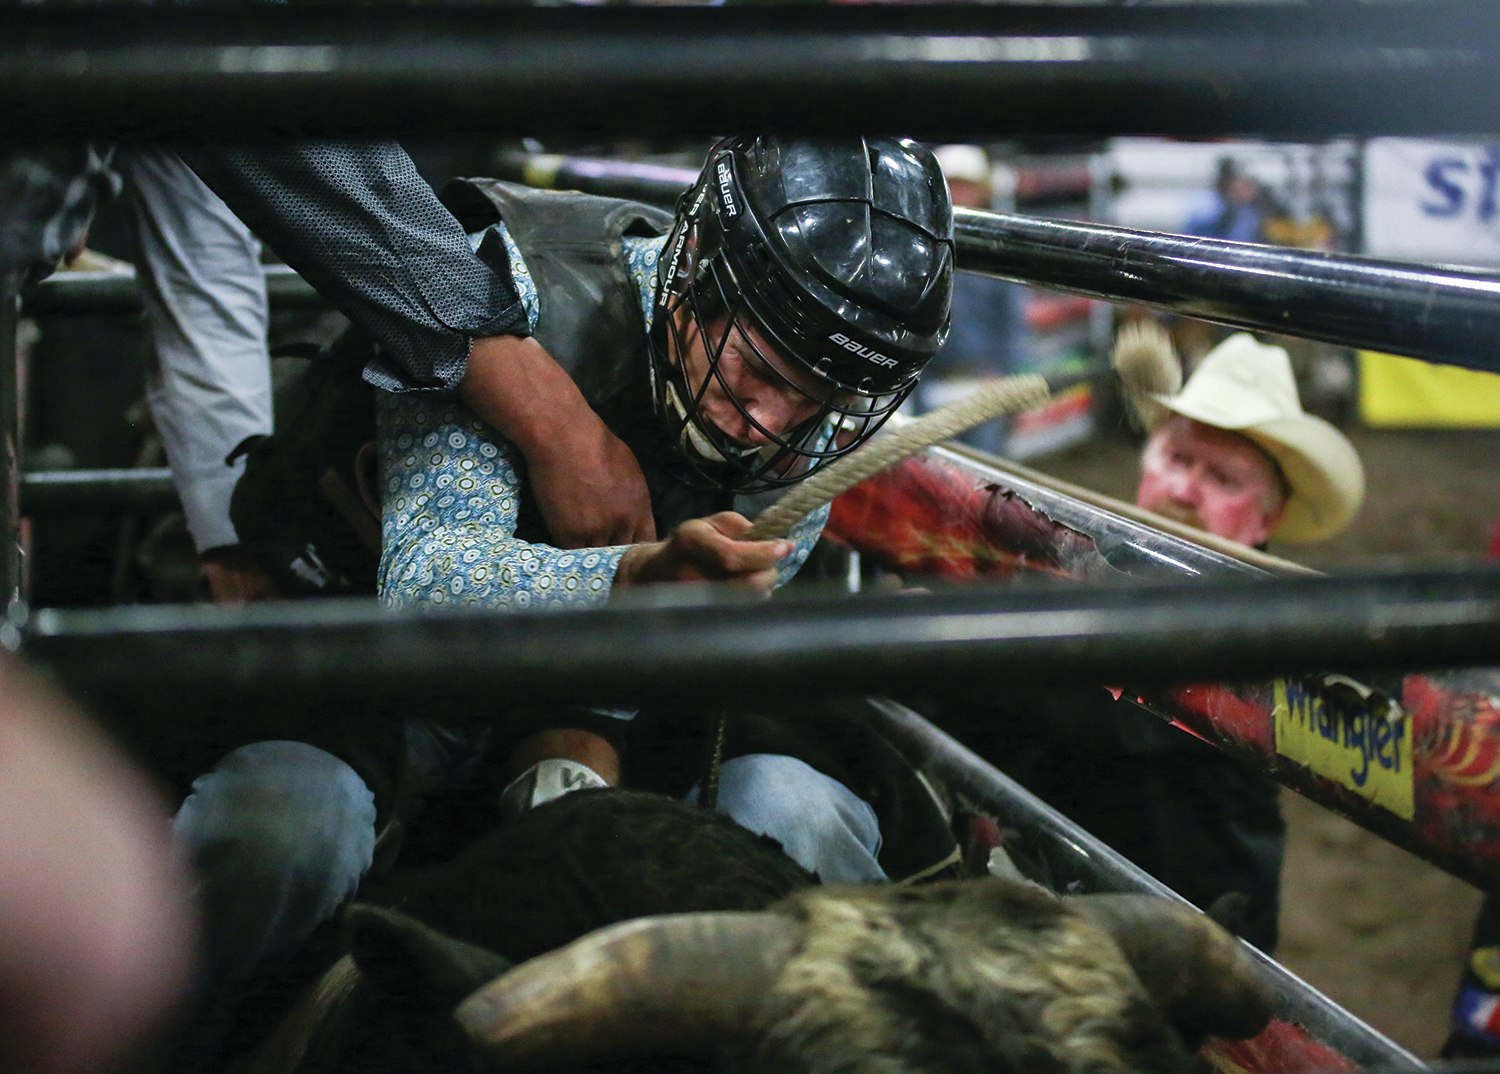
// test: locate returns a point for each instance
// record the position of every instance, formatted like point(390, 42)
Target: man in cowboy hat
point(1232, 454)
point(1235, 454)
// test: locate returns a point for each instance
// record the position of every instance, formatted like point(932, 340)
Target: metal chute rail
point(1075, 71)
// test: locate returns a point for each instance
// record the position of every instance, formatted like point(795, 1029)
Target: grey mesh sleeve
point(360, 223)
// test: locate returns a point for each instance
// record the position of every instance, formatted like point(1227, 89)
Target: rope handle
point(1005, 396)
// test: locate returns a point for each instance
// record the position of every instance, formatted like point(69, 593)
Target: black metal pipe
point(654, 183)
point(958, 70)
point(79, 293)
point(1425, 311)
point(656, 647)
point(1076, 858)
point(146, 489)
point(1127, 545)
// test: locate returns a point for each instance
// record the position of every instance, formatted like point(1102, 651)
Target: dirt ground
point(1379, 931)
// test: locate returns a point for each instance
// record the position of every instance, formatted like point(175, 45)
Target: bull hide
point(594, 857)
point(979, 975)
point(988, 975)
point(581, 862)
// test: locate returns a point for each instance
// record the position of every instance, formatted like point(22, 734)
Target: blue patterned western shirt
point(452, 490)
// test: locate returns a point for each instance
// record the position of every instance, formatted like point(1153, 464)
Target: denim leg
point(281, 833)
point(823, 825)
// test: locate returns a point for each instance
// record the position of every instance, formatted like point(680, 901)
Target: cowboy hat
point(966, 162)
point(1248, 388)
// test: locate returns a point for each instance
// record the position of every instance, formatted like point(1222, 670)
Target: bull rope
point(1005, 396)
point(709, 799)
point(1142, 357)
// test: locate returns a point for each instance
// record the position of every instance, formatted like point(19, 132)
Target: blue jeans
point(282, 833)
point(821, 824)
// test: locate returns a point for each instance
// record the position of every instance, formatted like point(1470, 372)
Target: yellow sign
point(1361, 750)
point(1402, 393)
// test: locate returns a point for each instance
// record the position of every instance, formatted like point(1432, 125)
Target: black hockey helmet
point(838, 253)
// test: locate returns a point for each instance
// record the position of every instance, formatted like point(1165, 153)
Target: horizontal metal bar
point(1424, 311)
point(658, 648)
point(105, 293)
point(654, 183)
point(932, 71)
point(1452, 820)
point(145, 489)
point(1077, 858)
point(948, 475)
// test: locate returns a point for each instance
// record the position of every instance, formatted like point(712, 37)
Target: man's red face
point(1210, 478)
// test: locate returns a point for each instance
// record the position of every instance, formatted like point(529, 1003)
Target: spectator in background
point(1233, 208)
point(208, 373)
point(988, 338)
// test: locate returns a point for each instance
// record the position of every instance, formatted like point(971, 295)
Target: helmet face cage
point(697, 286)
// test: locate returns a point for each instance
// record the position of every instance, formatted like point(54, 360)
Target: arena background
point(1381, 932)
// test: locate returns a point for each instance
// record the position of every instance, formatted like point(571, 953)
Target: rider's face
point(773, 394)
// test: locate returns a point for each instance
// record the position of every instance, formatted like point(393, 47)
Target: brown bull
point(975, 975)
point(987, 975)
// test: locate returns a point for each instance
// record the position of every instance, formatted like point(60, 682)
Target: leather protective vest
point(589, 319)
point(589, 309)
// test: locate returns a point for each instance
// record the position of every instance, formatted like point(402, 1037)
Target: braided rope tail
point(1143, 359)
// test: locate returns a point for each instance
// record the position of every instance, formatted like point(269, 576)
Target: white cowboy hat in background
point(966, 162)
point(1247, 387)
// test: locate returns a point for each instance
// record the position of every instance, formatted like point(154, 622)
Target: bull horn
point(676, 984)
point(1203, 979)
